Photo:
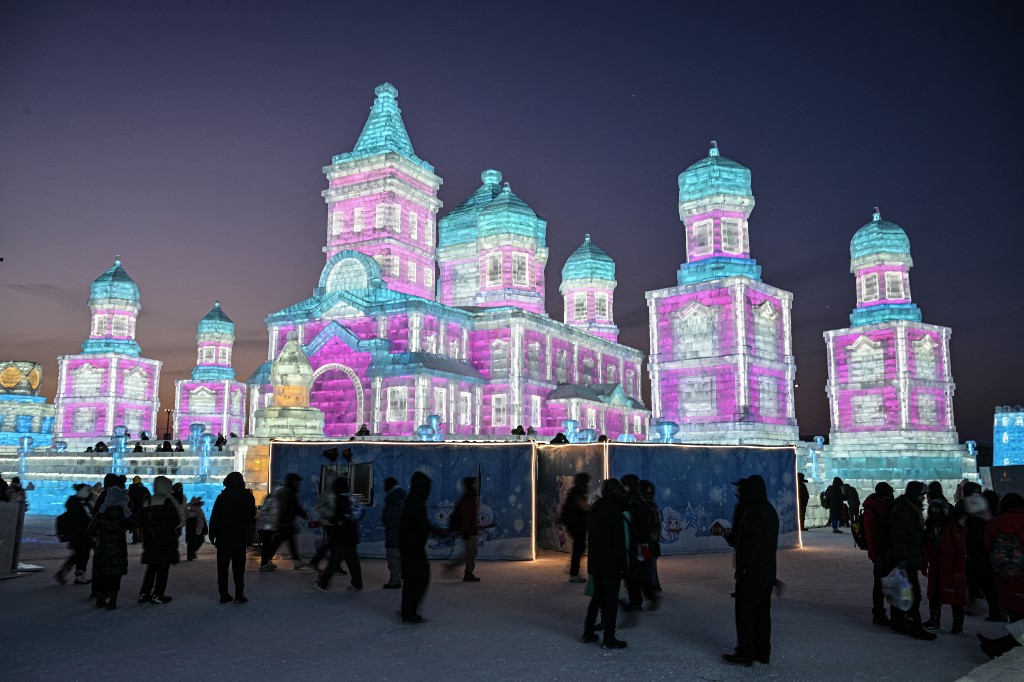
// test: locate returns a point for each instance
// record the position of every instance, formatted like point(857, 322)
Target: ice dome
point(879, 236)
point(216, 321)
point(589, 261)
point(714, 174)
point(508, 214)
point(114, 284)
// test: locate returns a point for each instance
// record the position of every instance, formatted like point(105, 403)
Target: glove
point(643, 553)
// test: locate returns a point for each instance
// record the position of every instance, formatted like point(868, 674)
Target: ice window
point(207, 355)
point(637, 424)
point(465, 408)
point(766, 331)
point(927, 409)
point(337, 224)
point(588, 373)
point(869, 287)
point(702, 243)
point(498, 413)
point(695, 331)
point(236, 403)
point(494, 266)
point(867, 410)
point(499, 360)
point(131, 327)
point(769, 397)
point(380, 216)
point(441, 403)
point(133, 421)
point(396, 218)
point(428, 278)
point(120, 326)
point(732, 235)
point(84, 419)
point(579, 306)
point(99, 325)
point(534, 366)
point(697, 397)
point(410, 270)
point(414, 226)
point(430, 233)
point(925, 360)
point(601, 305)
point(357, 219)
point(535, 411)
point(520, 270)
point(865, 361)
point(202, 401)
point(398, 402)
point(591, 418)
point(1006, 438)
point(136, 381)
point(894, 286)
point(611, 373)
point(562, 367)
point(86, 381)
point(1019, 421)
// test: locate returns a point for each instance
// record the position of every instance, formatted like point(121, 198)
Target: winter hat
point(137, 479)
point(915, 489)
point(195, 502)
point(882, 488)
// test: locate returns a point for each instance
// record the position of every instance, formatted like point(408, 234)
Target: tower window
point(494, 267)
point(697, 397)
point(357, 219)
point(927, 409)
point(99, 325)
point(441, 403)
point(498, 411)
point(732, 235)
point(202, 401)
point(925, 363)
point(702, 240)
point(769, 397)
point(894, 286)
point(766, 335)
point(520, 270)
point(410, 270)
point(695, 331)
point(224, 355)
point(869, 287)
point(601, 305)
point(380, 217)
point(535, 411)
point(865, 361)
point(84, 419)
point(867, 410)
point(579, 306)
point(465, 408)
point(414, 226)
point(430, 233)
point(336, 223)
point(120, 326)
point(398, 403)
point(396, 211)
point(499, 360)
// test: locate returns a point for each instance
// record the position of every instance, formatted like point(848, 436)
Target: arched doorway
point(338, 391)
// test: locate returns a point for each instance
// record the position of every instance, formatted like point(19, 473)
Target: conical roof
point(589, 261)
point(384, 130)
point(508, 214)
point(877, 237)
point(291, 368)
point(114, 284)
point(216, 321)
point(460, 225)
point(714, 174)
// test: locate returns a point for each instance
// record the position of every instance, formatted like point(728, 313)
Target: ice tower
point(588, 285)
point(211, 397)
point(721, 340)
point(290, 415)
point(1008, 436)
point(108, 383)
point(890, 388)
point(23, 412)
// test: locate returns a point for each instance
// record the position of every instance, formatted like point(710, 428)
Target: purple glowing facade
point(721, 364)
point(389, 346)
point(108, 384)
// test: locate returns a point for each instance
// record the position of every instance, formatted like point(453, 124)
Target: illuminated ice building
point(890, 386)
point(389, 346)
point(721, 363)
point(211, 396)
point(108, 384)
point(1008, 436)
point(23, 412)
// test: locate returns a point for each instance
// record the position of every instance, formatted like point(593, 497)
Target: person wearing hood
point(639, 582)
point(876, 527)
point(15, 491)
point(230, 523)
point(391, 516)
point(340, 514)
point(836, 498)
point(1002, 532)
point(195, 527)
point(574, 516)
point(946, 568)
point(79, 512)
point(906, 551)
point(161, 519)
point(937, 515)
point(110, 558)
point(414, 527)
point(138, 498)
point(757, 540)
point(608, 561)
point(288, 509)
point(465, 522)
point(852, 501)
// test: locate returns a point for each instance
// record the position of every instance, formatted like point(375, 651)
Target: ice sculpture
point(482, 354)
point(1008, 436)
point(211, 397)
point(108, 383)
point(290, 415)
point(22, 410)
point(721, 340)
point(890, 387)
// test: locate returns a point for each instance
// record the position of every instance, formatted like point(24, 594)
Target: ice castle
point(1008, 436)
point(389, 346)
point(890, 385)
point(23, 412)
point(721, 362)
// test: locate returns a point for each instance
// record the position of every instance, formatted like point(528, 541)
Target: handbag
point(897, 589)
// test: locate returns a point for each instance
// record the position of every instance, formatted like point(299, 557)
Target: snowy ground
point(523, 621)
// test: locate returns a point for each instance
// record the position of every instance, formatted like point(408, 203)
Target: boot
point(958, 620)
point(101, 600)
point(934, 612)
point(59, 576)
point(915, 630)
point(994, 648)
point(898, 622)
point(80, 578)
point(879, 618)
point(112, 601)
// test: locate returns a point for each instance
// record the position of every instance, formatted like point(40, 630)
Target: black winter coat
point(836, 498)
point(111, 554)
point(79, 517)
point(232, 516)
point(414, 526)
point(160, 537)
point(757, 535)
point(289, 510)
point(606, 535)
point(574, 513)
point(906, 533)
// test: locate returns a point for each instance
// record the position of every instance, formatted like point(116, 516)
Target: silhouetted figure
point(138, 498)
point(178, 447)
point(79, 517)
point(519, 431)
point(803, 498)
point(232, 435)
point(559, 439)
point(608, 561)
point(102, 447)
point(906, 550)
point(574, 516)
point(363, 430)
point(465, 522)
point(391, 518)
point(220, 442)
point(166, 447)
point(110, 559)
point(138, 447)
point(161, 519)
point(144, 435)
point(230, 524)
point(530, 431)
point(414, 528)
point(340, 514)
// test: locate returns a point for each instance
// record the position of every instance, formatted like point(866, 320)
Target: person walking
point(161, 519)
point(757, 539)
point(341, 515)
point(607, 563)
point(836, 498)
point(906, 550)
point(1003, 532)
point(110, 558)
point(574, 516)
point(876, 532)
point(288, 509)
point(391, 517)
point(647, 491)
point(195, 527)
point(230, 523)
point(465, 523)
point(804, 497)
point(981, 582)
point(638, 579)
point(138, 496)
point(413, 529)
point(79, 513)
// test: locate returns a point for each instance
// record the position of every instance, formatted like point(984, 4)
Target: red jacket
point(875, 508)
point(1009, 591)
point(949, 573)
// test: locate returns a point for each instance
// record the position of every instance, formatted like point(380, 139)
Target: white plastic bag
point(897, 590)
point(1017, 630)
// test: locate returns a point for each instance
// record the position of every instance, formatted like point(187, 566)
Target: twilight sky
point(189, 138)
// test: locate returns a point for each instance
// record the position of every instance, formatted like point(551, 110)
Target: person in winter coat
point(648, 493)
point(981, 582)
point(161, 519)
point(804, 498)
point(852, 501)
point(340, 515)
point(876, 526)
point(608, 562)
point(937, 515)
point(391, 516)
point(413, 529)
point(836, 497)
point(230, 523)
point(3, 489)
point(574, 517)
point(906, 551)
point(1007, 524)
point(641, 535)
point(288, 509)
point(138, 497)
point(757, 539)
point(195, 527)
point(15, 492)
point(110, 559)
point(79, 512)
point(946, 568)
point(465, 522)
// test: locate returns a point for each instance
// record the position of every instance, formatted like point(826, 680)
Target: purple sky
point(189, 137)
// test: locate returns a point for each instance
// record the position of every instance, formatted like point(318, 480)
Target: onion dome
point(879, 237)
point(216, 322)
point(589, 261)
point(714, 174)
point(114, 284)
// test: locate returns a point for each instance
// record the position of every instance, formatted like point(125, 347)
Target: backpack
point(269, 513)
point(63, 527)
point(824, 499)
point(1007, 556)
point(857, 531)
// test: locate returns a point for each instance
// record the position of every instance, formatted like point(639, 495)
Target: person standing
point(574, 516)
point(835, 496)
point(852, 501)
point(110, 559)
point(161, 519)
point(608, 562)
point(79, 516)
point(195, 527)
point(341, 515)
point(980, 578)
point(936, 518)
point(230, 523)
point(876, 526)
point(15, 492)
point(906, 550)
point(465, 523)
point(413, 530)
point(138, 496)
point(288, 509)
point(1002, 532)
point(804, 497)
point(757, 539)
point(638, 579)
point(391, 516)
point(648, 493)
point(947, 577)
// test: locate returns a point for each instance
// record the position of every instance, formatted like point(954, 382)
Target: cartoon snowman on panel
point(671, 525)
point(441, 519)
point(485, 524)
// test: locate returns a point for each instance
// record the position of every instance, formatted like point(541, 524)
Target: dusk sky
point(189, 138)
